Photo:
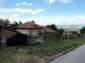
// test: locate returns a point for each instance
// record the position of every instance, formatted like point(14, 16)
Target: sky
point(44, 12)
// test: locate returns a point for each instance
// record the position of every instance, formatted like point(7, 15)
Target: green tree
point(13, 25)
point(20, 22)
point(6, 22)
point(52, 26)
point(60, 31)
point(1, 22)
point(82, 30)
point(33, 21)
point(16, 23)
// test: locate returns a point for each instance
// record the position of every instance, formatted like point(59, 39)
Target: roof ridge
point(29, 25)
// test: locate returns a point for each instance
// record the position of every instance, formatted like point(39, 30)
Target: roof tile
point(48, 30)
point(29, 25)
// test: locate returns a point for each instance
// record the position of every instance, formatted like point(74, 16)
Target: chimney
point(33, 21)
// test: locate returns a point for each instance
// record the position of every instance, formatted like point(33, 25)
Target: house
point(73, 30)
point(72, 33)
point(26, 33)
point(35, 31)
point(30, 28)
point(10, 38)
point(49, 33)
point(48, 30)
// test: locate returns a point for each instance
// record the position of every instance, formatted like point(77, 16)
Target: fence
point(54, 37)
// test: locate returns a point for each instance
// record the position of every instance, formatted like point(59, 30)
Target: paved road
point(75, 56)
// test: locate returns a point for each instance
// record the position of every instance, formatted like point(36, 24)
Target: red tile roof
point(29, 25)
point(7, 33)
point(48, 30)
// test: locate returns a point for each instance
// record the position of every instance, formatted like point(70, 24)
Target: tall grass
point(36, 53)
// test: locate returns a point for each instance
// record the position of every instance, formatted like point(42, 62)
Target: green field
point(36, 53)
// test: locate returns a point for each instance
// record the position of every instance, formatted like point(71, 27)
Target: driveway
point(75, 56)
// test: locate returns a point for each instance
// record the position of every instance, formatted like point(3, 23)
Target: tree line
point(59, 32)
point(10, 25)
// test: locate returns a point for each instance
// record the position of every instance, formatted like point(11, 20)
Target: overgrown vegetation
point(82, 30)
point(59, 32)
point(37, 52)
point(54, 44)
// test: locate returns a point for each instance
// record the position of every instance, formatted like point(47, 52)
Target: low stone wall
point(36, 39)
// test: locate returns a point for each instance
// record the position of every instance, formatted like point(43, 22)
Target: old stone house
point(72, 33)
point(26, 33)
point(10, 38)
point(4, 34)
point(35, 31)
point(49, 32)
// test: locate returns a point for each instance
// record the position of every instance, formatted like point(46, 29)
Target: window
point(40, 32)
point(31, 32)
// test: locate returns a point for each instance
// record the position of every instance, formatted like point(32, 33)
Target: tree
point(52, 26)
point(13, 25)
point(60, 31)
point(33, 21)
point(1, 22)
point(82, 30)
point(16, 23)
point(6, 22)
point(20, 22)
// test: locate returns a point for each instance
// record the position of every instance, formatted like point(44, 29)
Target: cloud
point(65, 1)
point(13, 17)
point(16, 17)
point(76, 20)
point(36, 11)
point(2, 1)
point(52, 1)
point(2, 17)
point(17, 4)
point(24, 3)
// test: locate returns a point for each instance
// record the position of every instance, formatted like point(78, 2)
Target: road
point(75, 56)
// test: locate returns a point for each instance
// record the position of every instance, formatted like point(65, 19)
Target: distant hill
point(70, 26)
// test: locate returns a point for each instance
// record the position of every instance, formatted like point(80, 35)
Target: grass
point(36, 53)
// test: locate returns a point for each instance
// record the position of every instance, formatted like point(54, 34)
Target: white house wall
point(24, 31)
point(33, 32)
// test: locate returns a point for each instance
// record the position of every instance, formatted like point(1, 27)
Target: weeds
point(36, 53)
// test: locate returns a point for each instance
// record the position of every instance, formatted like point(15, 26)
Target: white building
point(33, 30)
point(30, 28)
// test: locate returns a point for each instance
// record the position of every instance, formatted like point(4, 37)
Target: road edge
point(48, 59)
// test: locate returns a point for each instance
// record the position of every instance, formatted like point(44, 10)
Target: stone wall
point(5, 34)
